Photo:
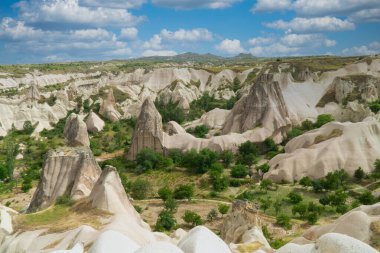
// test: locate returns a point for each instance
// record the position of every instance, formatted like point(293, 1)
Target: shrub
point(212, 215)
point(176, 156)
point(248, 152)
point(219, 181)
point(200, 131)
point(26, 184)
point(148, 159)
point(284, 221)
point(192, 218)
point(223, 209)
point(28, 127)
point(306, 182)
point(323, 119)
point(171, 205)
point(266, 184)
point(140, 189)
point(185, 191)
point(312, 217)
point(359, 174)
point(227, 157)
point(239, 171)
point(199, 162)
point(170, 111)
point(165, 193)
point(277, 206)
point(300, 209)
point(165, 221)
point(294, 197)
point(265, 203)
point(366, 198)
point(342, 209)
point(138, 208)
point(64, 200)
point(264, 168)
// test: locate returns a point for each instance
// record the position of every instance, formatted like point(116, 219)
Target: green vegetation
point(199, 131)
point(140, 188)
point(191, 218)
point(184, 192)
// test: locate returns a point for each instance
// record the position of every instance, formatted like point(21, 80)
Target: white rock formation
point(201, 240)
point(107, 108)
point(78, 248)
point(159, 247)
point(94, 123)
point(6, 214)
point(71, 171)
point(75, 132)
point(333, 146)
point(115, 242)
point(213, 119)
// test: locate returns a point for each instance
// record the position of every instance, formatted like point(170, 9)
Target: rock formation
point(264, 106)
point(115, 242)
point(148, 131)
point(361, 223)
point(94, 123)
point(159, 247)
point(107, 108)
point(33, 93)
point(76, 132)
point(70, 171)
point(213, 119)
point(333, 146)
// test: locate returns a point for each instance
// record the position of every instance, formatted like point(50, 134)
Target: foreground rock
point(264, 106)
point(71, 171)
point(148, 131)
point(333, 146)
point(107, 108)
point(94, 123)
point(76, 132)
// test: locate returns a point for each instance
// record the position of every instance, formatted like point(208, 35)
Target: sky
point(39, 31)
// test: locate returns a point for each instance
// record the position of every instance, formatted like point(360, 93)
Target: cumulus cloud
point(310, 40)
point(154, 42)
point(372, 15)
point(63, 13)
point(372, 48)
point(305, 25)
point(276, 49)
point(194, 4)
point(271, 5)
point(259, 41)
point(230, 46)
point(129, 33)
point(197, 34)
point(149, 52)
point(117, 4)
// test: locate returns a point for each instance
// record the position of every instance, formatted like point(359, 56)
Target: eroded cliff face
point(148, 131)
point(76, 132)
point(264, 106)
point(67, 171)
point(107, 108)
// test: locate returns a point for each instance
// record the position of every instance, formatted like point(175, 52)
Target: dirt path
point(107, 156)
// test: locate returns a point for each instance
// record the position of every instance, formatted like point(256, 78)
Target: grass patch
point(334, 133)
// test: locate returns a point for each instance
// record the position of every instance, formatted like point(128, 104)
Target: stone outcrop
point(264, 106)
point(148, 131)
point(242, 217)
point(214, 119)
point(333, 146)
point(107, 108)
point(67, 171)
point(33, 93)
point(94, 123)
point(75, 132)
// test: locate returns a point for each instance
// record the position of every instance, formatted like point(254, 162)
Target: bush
point(323, 119)
point(223, 209)
point(312, 218)
point(266, 184)
point(265, 203)
point(306, 182)
point(212, 215)
point(199, 162)
point(239, 171)
point(171, 205)
point(64, 200)
point(192, 218)
point(300, 209)
point(366, 198)
point(185, 191)
point(176, 156)
point(140, 189)
point(138, 208)
point(170, 111)
point(227, 157)
point(165, 193)
point(284, 221)
point(148, 159)
point(342, 209)
point(294, 197)
point(219, 181)
point(248, 152)
point(26, 184)
point(359, 174)
point(28, 127)
point(165, 221)
point(200, 131)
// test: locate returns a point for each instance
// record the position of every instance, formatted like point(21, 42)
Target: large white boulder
point(202, 240)
point(159, 247)
point(115, 242)
point(76, 132)
point(78, 248)
point(94, 123)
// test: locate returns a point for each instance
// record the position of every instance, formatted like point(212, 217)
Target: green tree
point(192, 218)
point(171, 205)
point(265, 203)
point(227, 157)
point(359, 174)
point(312, 217)
point(295, 197)
point(26, 184)
point(200, 131)
point(212, 215)
point(28, 127)
point(306, 182)
point(265, 184)
point(284, 221)
point(342, 209)
point(366, 198)
point(277, 206)
point(300, 209)
point(165, 193)
point(248, 152)
point(239, 171)
point(165, 221)
point(219, 181)
point(140, 189)
point(184, 191)
point(223, 209)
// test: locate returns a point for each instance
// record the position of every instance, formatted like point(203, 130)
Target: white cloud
point(154, 42)
point(329, 43)
point(129, 33)
point(305, 25)
point(372, 15)
point(197, 34)
point(271, 5)
point(117, 4)
point(61, 13)
point(259, 41)
point(230, 46)
point(148, 53)
point(11, 29)
point(372, 48)
point(276, 49)
point(193, 4)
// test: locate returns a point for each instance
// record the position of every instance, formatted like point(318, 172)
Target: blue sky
point(36, 31)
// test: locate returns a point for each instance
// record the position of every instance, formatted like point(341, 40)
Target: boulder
point(78, 248)
point(214, 119)
point(201, 240)
point(33, 93)
point(331, 147)
point(159, 247)
point(264, 106)
point(115, 242)
point(71, 171)
point(76, 132)
point(339, 243)
point(174, 128)
point(94, 123)
point(148, 132)
point(107, 108)
point(6, 214)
